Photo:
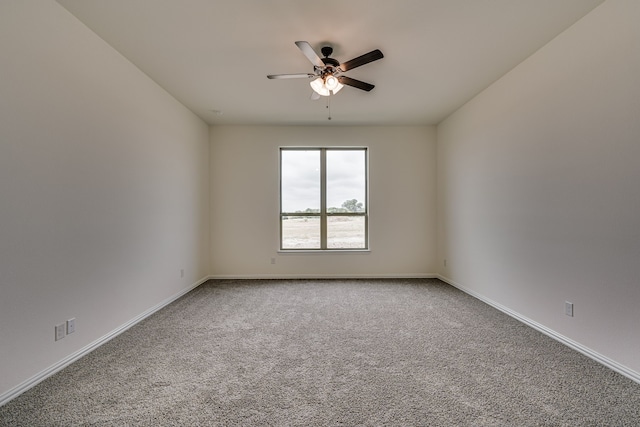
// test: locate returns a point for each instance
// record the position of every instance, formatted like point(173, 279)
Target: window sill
point(322, 251)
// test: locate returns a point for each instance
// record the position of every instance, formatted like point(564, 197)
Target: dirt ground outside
point(343, 232)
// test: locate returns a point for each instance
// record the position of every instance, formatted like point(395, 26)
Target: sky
point(301, 178)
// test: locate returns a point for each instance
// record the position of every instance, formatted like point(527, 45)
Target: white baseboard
point(41, 376)
point(322, 276)
point(611, 364)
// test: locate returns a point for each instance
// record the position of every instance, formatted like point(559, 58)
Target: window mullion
point(323, 198)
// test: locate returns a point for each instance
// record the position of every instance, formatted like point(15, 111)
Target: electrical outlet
point(71, 326)
point(273, 260)
point(60, 331)
point(445, 262)
point(568, 308)
point(181, 272)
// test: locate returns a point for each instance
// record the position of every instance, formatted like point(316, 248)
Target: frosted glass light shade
point(326, 86)
point(331, 82)
point(319, 87)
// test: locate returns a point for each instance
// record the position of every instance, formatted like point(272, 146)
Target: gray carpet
point(330, 353)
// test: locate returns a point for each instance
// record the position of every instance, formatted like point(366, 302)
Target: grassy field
point(342, 232)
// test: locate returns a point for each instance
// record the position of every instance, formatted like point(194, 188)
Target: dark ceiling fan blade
point(291, 76)
point(311, 54)
point(374, 55)
point(355, 83)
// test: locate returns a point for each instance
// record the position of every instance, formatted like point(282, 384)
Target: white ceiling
point(215, 55)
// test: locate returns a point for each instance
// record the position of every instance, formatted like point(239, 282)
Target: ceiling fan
point(328, 71)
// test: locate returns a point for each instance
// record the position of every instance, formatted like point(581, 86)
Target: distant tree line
point(352, 205)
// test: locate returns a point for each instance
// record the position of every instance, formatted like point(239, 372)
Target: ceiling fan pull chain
point(329, 106)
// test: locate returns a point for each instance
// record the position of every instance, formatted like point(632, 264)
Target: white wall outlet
point(181, 272)
point(445, 262)
point(60, 331)
point(71, 326)
point(568, 308)
point(273, 260)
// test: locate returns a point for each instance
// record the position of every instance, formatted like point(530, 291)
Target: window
point(323, 199)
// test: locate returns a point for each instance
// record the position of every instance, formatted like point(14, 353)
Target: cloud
point(346, 178)
point(301, 178)
point(300, 171)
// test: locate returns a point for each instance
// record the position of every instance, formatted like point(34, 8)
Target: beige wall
point(103, 190)
point(539, 187)
point(244, 210)
point(109, 187)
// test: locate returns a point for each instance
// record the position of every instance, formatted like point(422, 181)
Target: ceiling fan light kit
point(327, 72)
point(327, 86)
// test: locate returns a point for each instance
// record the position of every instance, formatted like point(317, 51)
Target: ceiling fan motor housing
point(329, 63)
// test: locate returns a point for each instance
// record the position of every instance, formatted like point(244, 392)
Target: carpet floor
point(329, 353)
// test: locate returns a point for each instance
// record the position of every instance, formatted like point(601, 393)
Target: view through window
point(323, 198)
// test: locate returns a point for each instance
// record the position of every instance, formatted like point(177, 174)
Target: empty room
point(420, 212)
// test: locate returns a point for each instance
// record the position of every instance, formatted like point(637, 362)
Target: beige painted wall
point(244, 195)
point(539, 186)
point(106, 191)
point(103, 190)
